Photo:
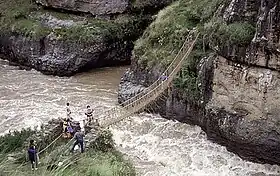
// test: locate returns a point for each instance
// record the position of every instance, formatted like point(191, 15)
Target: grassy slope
point(101, 159)
point(91, 163)
point(164, 37)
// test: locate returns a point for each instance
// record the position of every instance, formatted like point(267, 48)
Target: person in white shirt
point(68, 111)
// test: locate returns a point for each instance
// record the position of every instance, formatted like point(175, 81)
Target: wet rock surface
point(237, 106)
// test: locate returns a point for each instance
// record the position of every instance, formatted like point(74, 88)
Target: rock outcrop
point(95, 7)
point(61, 43)
point(238, 84)
point(51, 55)
point(105, 7)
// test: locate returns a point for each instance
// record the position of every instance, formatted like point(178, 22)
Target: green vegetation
point(15, 18)
point(165, 36)
point(90, 32)
point(104, 142)
point(220, 33)
point(91, 163)
point(22, 17)
point(100, 164)
point(13, 141)
point(102, 159)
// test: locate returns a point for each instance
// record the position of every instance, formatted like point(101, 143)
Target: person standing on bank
point(32, 154)
point(79, 137)
point(89, 114)
point(68, 111)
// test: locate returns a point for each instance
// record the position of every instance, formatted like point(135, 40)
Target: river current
point(157, 147)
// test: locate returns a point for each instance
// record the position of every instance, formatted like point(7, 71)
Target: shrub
point(104, 142)
point(237, 33)
point(13, 141)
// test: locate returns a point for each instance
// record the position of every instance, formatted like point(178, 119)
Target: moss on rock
point(15, 18)
point(23, 18)
point(237, 33)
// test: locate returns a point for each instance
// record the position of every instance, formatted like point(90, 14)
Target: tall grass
point(101, 159)
point(164, 37)
point(92, 163)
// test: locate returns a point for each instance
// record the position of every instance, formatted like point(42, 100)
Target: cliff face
point(264, 48)
point(61, 43)
point(236, 80)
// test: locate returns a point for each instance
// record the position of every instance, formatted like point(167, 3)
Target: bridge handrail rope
point(157, 82)
point(165, 73)
point(49, 144)
point(160, 85)
point(149, 94)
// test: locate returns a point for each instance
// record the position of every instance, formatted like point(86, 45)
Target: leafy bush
point(14, 141)
point(104, 141)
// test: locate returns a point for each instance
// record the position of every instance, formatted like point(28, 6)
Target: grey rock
point(51, 55)
point(95, 7)
point(52, 22)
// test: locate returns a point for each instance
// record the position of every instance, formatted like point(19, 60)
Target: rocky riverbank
point(69, 37)
point(229, 85)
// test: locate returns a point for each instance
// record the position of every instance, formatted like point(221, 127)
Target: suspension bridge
point(147, 96)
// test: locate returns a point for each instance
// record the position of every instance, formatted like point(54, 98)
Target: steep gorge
point(230, 84)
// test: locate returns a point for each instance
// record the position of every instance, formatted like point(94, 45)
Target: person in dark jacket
point(79, 137)
point(32, 154)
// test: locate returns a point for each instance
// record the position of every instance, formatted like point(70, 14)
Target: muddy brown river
point(156, 146)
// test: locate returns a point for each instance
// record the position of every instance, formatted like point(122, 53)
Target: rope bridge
point(148, 95)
